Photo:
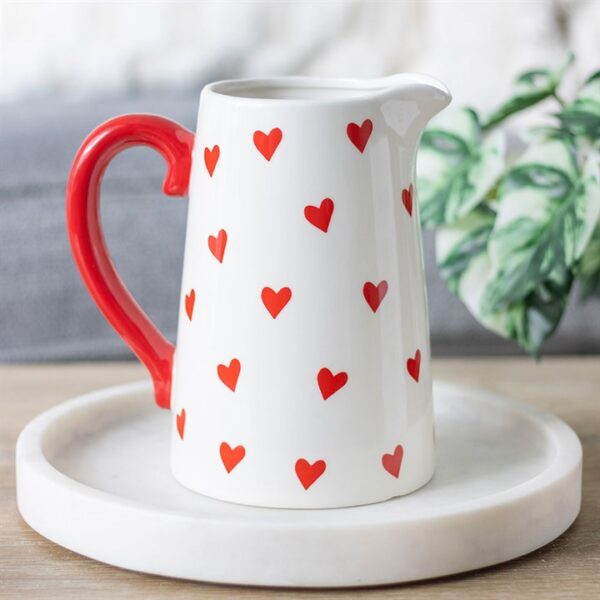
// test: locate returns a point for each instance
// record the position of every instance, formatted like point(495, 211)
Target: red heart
point(190, 299)
point(211, 158)
point(217, 244)
point(329, 383)
point(231, 457)
point(180, 421)
point(374, 295)
point(407, 199)
point(229, 374)
point(267, 144)
point(319, 216)
point(359, 136)
point(413, 366)
point(275, 301)
point(307, 473)
point(392, 462)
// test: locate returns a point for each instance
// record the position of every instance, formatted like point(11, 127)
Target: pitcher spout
point(430, 94)
point(409, 101)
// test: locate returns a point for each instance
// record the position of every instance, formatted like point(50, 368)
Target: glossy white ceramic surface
point(345, 295)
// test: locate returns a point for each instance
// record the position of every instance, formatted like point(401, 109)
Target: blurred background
point(66, 67)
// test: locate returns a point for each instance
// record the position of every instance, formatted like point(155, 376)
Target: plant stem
point(559, 99)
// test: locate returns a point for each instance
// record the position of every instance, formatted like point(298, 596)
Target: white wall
point(474, 46)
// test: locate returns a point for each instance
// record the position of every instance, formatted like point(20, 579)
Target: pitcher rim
point(249, 90)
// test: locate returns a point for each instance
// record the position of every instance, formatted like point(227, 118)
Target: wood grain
point(31, 567)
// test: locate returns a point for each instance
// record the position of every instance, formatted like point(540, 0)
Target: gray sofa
point(45, 312)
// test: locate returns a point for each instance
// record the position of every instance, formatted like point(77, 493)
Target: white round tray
point(93, 476)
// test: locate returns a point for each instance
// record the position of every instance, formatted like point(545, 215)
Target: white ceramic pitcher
point(301, 377)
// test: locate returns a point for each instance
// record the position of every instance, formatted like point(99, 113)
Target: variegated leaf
point(529, 88)
point(528, 322)
point(588, 269)
point(459, 244)
point(466, 267)
point(546, 216)
point(455, 168)
point(582, 116)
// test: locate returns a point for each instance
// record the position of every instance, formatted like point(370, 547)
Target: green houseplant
point(513, 233)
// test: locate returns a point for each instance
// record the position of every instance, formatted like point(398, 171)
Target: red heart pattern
point(359, 134)
point(407, 199)
point(329, 383)
point(267, 144)
point(274, 301)
point(190, 300)
point(413, 366)
point(309, 473)
point(392, 462)
point(320, 216)
point(217, 244)
point(211, 158)
point(231, 457)
point(180, 422)
point(374, 294)
point(229, 374)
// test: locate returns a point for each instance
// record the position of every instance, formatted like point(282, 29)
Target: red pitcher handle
point(175, 144)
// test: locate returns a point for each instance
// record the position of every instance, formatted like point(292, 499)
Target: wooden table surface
point(32, 567)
